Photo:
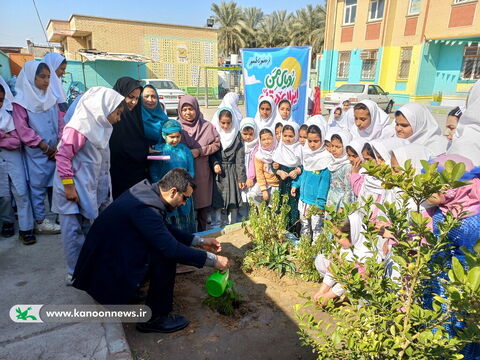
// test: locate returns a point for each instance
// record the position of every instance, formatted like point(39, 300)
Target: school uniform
point(81, 161)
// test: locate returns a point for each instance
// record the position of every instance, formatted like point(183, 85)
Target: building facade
point(178, 51)
point(414, 49)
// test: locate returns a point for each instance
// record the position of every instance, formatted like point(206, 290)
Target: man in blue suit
point(130, 241)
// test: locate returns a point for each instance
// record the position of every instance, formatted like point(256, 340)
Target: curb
point(118, 348)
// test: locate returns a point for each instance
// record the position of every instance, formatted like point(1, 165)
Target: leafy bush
point(266, 229)
point(226, 303)
point(384, 318)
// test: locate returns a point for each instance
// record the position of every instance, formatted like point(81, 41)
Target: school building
point(414, 49)
point(175, 52)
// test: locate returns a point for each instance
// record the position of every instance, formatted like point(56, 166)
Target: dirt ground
point(263, 328)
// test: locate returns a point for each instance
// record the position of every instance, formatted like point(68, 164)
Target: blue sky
point(18, 20)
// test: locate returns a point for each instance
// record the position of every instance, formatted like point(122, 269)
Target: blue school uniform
point(313, 187)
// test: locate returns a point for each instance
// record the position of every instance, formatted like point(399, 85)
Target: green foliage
point(266, 229)
point(384, 318)
point(304, 258)
point(226, 303)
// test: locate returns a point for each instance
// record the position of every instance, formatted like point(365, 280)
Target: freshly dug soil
point(264, 326)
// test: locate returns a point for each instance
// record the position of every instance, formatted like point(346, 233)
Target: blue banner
point(282, 73)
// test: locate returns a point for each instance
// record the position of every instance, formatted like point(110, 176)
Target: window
point(414, 7)
point(372, 90)
point(369, 63)
point(351, 88)
point(379, 90)
point(471, 62)
point(461, 1)
point(343, 64)
point(404, 66)
point(350, 12)
point(376, 9)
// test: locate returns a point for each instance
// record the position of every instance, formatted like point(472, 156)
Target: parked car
point(358, 92)
point(167, 91)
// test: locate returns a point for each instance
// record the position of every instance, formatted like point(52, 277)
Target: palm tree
point(252, 19)
point(308, 28)
point(228, 16)
point(273, 29)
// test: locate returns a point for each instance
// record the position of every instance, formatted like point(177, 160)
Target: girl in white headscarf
point(57, 64)
point(352, 248)
point(287, 166)
point(39, 126)
point(314, 181)
point(284, 111)
point(266, 112)
point(229, 168)
point(371, 122)
point(465, 141)
point(249, 133)
point(337, 118)
point(266, 179)
point(12, 174)
point(81, 154)
point(340, 191)
point(230, 100)
point(416, 123)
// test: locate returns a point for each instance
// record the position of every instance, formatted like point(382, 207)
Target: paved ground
point(36, 275)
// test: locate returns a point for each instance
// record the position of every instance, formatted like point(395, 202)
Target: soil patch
point(264, 326)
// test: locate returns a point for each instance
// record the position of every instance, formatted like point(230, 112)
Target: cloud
point(250, 80)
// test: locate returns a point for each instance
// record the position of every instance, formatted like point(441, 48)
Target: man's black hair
point(177, 178)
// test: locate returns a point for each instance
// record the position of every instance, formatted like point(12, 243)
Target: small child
point(229, 167)
point(248, 131)
point(288, 166)
point(180, 157)
point(340, 192)
point(336, 120)
point(313, 183)
point(79, 163)
point(266, 179)
point(354, 245)
point(266, 112)
point(354, 151)
point(452, 123)
point(284, 110)
point(278, 130)
point(12, 175)
point(302, 134)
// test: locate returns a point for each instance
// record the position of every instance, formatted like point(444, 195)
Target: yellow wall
point(390, 65)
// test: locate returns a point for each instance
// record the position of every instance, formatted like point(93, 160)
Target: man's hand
point(222, 263)
point(212, 245)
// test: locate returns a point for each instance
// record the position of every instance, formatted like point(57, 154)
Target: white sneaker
point(47, 227)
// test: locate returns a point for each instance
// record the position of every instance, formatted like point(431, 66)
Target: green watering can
point(217, 283)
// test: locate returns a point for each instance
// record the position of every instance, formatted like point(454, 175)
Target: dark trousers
point(162, 280)
point(202, 216)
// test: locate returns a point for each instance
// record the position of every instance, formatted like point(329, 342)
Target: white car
point(358, 92)
point(167, 91)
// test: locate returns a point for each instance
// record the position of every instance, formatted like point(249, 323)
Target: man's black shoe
point(164, 324)
point(8, 230)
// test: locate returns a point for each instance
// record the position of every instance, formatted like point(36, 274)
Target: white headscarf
point(90, 116)
point(319, 159)
point(413, 152)
point(425, 128)
point(339, 123)
point(230, 100)
point(289, 155)
point(357, 238)
point(378, 128)
point(337, 163)
point(261, 123)
point(266, 155)
point(226, 137)
point(466, 140)
point(54, 60)
point(320, 121)
point(279, 117)
point(6, 120)
point(384, 147)
point(357, 145)
point(249, 122)
point(28, 95)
